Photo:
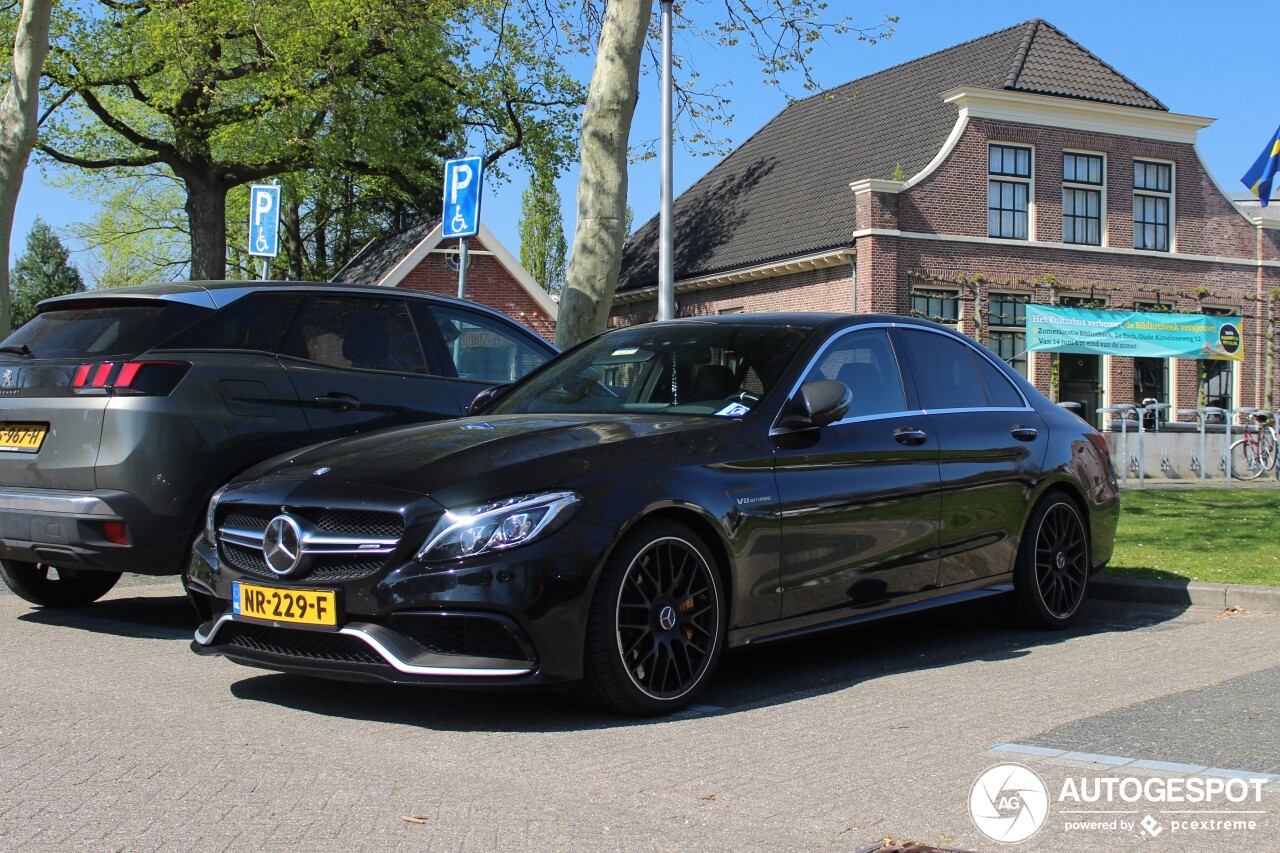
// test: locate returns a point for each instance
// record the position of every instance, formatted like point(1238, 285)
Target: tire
point(53, 587)
point(657, 622)
point(1246, 460)
point(1051, 577)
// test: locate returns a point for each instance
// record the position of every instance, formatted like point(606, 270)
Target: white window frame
point(1100, 189)
point(1030, 182)
point(1173, 201)
point(952, 292)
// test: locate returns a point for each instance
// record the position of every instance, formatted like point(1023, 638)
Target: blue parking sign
point(264, 220)
point(462, 180)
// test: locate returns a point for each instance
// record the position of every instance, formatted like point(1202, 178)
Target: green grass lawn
point(1216, 535)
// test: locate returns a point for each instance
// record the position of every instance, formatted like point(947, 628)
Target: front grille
point(472, 636)
point(304, 645)
point(321, 568)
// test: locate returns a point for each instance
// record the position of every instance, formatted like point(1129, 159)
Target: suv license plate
point(26, 437)
point(299, 606)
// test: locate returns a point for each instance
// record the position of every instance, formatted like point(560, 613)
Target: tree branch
point(105, 163)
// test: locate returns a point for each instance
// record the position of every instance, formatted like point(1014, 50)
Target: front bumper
point(508, 619)
point(66, 528)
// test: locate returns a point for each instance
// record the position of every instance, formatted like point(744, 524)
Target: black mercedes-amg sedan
point(624, 514)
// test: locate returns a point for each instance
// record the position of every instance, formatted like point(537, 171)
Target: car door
point(859, 498)
point(358, 364)
point(483, 350)
point(991, 444)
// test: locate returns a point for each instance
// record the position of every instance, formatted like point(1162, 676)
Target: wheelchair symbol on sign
point(459, 222)
point(261, 243)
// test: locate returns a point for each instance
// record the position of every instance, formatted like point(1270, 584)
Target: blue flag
point(1260, 176)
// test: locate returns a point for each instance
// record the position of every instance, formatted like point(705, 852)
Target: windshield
point(683, 368)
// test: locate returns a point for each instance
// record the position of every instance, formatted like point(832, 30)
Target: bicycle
point(1256, 452)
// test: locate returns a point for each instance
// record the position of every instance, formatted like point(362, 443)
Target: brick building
point(418, 259)
point(1014, 168)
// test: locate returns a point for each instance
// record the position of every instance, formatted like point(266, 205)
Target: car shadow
point(747, 679)
point(144, 617)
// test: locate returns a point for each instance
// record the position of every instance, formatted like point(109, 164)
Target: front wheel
point(54, 587)
point(1052, 573)
point(1247, 462)
point(657, 622)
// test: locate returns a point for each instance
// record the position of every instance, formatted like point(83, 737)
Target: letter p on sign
point(463, 181)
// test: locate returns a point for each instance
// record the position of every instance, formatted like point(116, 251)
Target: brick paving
point(113, 736)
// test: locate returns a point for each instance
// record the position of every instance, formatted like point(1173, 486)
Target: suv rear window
point(103, 328)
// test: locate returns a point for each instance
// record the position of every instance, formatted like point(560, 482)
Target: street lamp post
point(666, 265)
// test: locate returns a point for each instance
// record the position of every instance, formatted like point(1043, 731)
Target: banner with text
point(1134, 333)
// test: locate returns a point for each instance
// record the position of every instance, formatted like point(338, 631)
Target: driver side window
point(864, 361)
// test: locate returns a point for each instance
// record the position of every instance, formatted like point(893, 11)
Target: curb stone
point(1259, 599)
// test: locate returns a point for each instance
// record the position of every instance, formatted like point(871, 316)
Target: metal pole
point(666, 264)
point(462, 267)
point(266, 266)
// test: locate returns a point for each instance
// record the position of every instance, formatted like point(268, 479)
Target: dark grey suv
point(121, 412)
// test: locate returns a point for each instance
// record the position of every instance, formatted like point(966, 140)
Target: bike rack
point(1125, 412)
point(1202, 418)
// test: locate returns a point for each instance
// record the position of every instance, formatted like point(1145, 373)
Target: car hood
point(476, 458)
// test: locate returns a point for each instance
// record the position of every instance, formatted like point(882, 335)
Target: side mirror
point(486, 397)
point(818, 404)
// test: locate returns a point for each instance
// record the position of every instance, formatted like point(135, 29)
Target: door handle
point(338, 401)
point(1024, 433)
point(910, 436)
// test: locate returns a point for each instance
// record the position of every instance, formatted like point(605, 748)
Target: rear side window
point(864, 361)
point(484, 348)
point(356, 332)
point(103, 328)
point(256, 321)
point(944, 372)
point(1001, 391)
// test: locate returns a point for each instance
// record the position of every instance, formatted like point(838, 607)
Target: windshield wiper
point(18, 349)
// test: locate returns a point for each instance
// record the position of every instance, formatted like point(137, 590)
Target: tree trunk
point(602, 184)
point(293, 239)
point(19, 112)
point(207, 217)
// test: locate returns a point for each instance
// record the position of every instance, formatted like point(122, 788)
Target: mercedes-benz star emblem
point(282, 544)
point(667, 617)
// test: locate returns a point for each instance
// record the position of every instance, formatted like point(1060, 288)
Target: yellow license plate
point(299, 606)
point(27, 437)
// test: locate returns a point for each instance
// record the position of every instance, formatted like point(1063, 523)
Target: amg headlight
point(210, 529)
point(497, 525)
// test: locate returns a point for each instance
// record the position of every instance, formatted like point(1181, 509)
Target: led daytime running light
point(495, 526)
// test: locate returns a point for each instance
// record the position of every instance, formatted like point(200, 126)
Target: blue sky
point(1203, 59)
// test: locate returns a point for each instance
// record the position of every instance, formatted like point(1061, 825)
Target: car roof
point(216, 294)
point(813, 319)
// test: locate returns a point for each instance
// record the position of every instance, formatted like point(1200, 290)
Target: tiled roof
point(372, 263)
point(785, 192)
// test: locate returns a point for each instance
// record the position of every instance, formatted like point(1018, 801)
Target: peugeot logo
point(6, 378)
point(282, 544)
point(667, 617)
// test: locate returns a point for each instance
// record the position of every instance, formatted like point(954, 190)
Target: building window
point(1082, 182)
point(940, 306)
point(1151, 375)
point(1007, 324)
point(1008, 191)
point(1217, 378)
point(1152, 205)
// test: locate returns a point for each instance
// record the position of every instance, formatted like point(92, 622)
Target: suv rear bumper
point(67, 528)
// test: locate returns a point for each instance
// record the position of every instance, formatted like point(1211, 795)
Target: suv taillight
point(151, 378)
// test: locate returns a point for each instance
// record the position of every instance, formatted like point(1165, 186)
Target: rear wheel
point(1052, 572)
point(1247, 462)
point(657, 622)
point(53, 587)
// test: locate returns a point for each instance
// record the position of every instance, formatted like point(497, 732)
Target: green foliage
point(899, 174)
point(353, 98)
point(42, 270)
point(543, 248)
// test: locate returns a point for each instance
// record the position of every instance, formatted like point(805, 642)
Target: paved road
point(113, 736)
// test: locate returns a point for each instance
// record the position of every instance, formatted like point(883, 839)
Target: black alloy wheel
point(49, 586)
point(657, 622)
point(1052, 574)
